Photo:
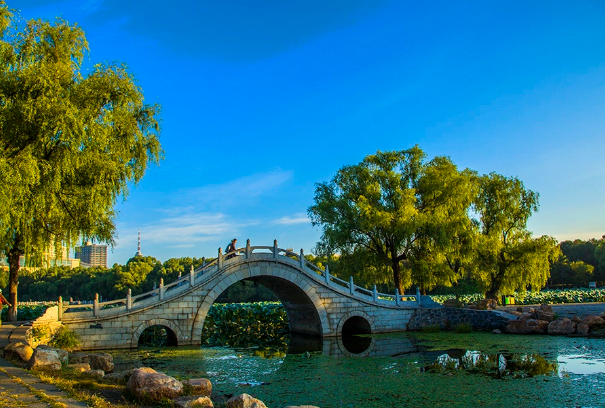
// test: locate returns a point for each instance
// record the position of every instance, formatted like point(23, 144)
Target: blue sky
point(263, 99)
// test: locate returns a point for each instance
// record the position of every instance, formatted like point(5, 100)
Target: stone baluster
point(418, 295)
point(327, 274)
point(275, 250)
point(192, 274)
point(248, 249)
point(397, 297)
point(95, 308)
point(129, 299)
point(301, 258)
point(351, 286)
point(161, 288)
point(375, 294)
point(220, 258)
point(60, 307)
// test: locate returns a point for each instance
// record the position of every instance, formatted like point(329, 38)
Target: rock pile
point(541, 320)
point(144, 382)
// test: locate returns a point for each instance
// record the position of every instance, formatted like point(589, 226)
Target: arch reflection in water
point(352, 346)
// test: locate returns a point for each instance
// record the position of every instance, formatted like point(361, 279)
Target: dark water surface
point(441, 369)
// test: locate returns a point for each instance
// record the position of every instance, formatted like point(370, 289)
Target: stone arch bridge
point(317, 303)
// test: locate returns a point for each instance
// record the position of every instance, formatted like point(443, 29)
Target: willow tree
point(385, 211)
point(69, 144)
point(510, 258)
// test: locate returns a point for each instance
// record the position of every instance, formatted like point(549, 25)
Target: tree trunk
point(13, 280)
point(397, 276)
point(494, 291)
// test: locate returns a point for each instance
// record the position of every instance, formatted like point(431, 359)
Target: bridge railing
point(197, 275)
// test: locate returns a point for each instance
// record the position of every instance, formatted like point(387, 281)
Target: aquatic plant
point(263, 324)
point(552, 296)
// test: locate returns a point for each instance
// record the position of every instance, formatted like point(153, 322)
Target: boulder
point(146, 382)
point(582, 329)
point(101, 361)
point(199, 386)
point(516, 327)
point(119, 376)
point(452, 302)
point(80, 367)
point(546, 308)
point(77, 358)
point(44, 360)
point(526, 316)
point(576, 319)
point(18, 351)
point(193, 402)
point(245, 401)
point(63, 355)
point(548, 316)
point(496, 331)
point(562, 325)
point(94, 373)
point(528, 309)
point(602, 315)
point(593, 321)
point(516, 313)
point(520, 309)
point(534, 326)
point(485, 304)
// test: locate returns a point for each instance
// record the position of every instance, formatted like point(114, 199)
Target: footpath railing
point(97, 308)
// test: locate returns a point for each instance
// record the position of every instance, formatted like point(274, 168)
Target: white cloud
point(233, 193)
point(184, 230)
point(298, 218)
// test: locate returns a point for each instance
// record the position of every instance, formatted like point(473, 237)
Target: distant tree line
point(580, 262)
point(140, 274)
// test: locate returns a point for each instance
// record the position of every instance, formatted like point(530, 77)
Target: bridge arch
point(356, 322)
point(306, 312)
point(134, 342)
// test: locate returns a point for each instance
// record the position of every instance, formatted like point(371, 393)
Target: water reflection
point(580, 364)
point(497, 365)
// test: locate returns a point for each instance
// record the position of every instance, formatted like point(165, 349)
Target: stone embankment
point(143, 383)
point(480, 316)
point(543, 320)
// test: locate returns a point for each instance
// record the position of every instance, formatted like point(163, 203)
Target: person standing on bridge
point(230, 248)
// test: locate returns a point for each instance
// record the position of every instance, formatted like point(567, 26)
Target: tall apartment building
point(92, 255)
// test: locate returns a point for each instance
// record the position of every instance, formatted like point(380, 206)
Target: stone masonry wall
point(450, 317)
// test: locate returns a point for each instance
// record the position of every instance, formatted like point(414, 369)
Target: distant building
point(139, 253)
point(92, 255)
point(48, 259)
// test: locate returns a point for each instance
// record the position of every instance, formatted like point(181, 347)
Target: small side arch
point(134, 342)
point(358, 318)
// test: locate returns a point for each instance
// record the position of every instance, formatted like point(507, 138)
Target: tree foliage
point(386, 214)
point(509, 257)
point(70, 143)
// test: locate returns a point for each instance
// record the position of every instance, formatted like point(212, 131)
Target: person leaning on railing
point(231, 248)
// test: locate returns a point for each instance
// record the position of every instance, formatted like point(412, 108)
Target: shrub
point(65, 339)
point(38, 334)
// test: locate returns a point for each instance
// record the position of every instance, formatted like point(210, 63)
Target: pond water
point(440, 369)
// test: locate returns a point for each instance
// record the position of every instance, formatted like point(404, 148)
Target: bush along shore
point(144, 385)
